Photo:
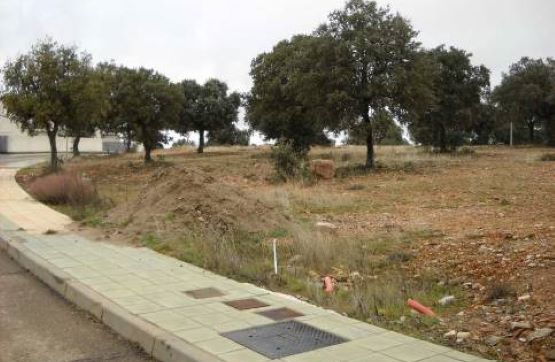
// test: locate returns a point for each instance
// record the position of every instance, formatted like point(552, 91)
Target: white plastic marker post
point(274, 242)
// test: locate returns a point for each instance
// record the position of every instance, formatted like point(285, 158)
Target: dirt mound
point(176, 200)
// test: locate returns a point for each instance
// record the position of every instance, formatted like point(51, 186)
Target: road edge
point(155, 341)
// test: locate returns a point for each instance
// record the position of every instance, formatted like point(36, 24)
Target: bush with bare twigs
point(64, 188)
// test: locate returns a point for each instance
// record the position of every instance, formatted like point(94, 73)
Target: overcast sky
point(218, 38)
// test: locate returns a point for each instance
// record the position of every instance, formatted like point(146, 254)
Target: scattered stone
point(323, 168)
point(326, 225)
point(540, 333)
point(449, 299)
point(521, 325)
point(493, 340)
point(524, 297)
point(478, 286)
point(451, 333)
point(462, 336)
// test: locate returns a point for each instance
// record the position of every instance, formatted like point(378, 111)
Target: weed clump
point(289, 163)
point(500, 291)
point(547, 157)
point(64, 189)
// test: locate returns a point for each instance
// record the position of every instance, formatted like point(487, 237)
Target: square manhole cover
point(243, 304)
point(280, 314)
point(283, 339)
point(204, 293)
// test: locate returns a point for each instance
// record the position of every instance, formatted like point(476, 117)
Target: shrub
point(547, 157)
point(500, 291)
point(288, 162)
point(63, 188)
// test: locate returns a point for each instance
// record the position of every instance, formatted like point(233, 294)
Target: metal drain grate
point(244, 304)
point(283, 339)
point(280, 314)
point(204, 293)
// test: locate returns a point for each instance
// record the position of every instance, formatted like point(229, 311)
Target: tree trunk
point(550, 130)
point(369, 139)
point(127, 140)
point(53, 150)
point(200, 148)
point(531, 131)
point(76, 152)
point(442, 139)
point(148, 150)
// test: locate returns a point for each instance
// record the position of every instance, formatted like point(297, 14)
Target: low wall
point(24, 144)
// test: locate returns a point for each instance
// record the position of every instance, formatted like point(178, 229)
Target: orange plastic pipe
point(328, 284)
point(420, 308)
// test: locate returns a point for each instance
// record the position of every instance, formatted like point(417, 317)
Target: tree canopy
point(526, 97)
point(146, 103)
point(380, 45)
point(458, 89)
point(41, 92)
point(207, 107)
point(299, 90)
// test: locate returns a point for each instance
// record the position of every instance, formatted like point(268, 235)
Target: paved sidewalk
point(188, 303)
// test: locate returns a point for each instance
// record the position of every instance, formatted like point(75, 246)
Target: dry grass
point(64, 188)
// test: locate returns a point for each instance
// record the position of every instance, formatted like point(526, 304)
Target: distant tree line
point(56, 89)
point(361, 73)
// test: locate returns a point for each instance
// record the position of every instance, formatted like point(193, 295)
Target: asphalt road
point(37, 325)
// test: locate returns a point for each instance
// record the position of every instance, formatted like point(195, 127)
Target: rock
point(447, 300)
point(323, 168)
point(478, 286)
point(550, 355)
point(524, 297)
point(540, 333)
point(521, 325)
point(493, 340)
point(462, 336)
point(451, 333)
point(326, 225)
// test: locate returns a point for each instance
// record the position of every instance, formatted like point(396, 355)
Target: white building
point(13, 140)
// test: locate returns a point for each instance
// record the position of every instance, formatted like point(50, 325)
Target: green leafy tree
point(207, 107)
point(300, 89)
point(525, 97)
point(381, 46)
point(90, 95)
point(115, 121)
point(39, 93)
point(458, 90)
point(143, 103)
point(229, 136)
